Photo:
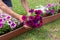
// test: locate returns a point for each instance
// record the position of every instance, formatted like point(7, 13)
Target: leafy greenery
point(5, 29)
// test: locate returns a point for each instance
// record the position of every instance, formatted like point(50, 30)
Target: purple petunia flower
point(4, 19)
point(9, 22)
point(31, 17)
point(30, 23)
point(40, 18)
point(47, 11)
point(31, 11)
point(38, 12)
point(8, 17)
point(52, 11)
point(1, 25)
point(35, 21)
point(38, 26)
point(24, 18)
point(13, 25)
point(48, 6)
point(1, 20)
point(37, 17)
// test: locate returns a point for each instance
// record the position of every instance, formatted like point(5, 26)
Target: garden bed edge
point(21, 30)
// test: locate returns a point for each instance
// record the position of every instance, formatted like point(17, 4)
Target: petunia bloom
point(24, 18)
point(31, 11)
point(8, 17)
point(9, 22)
point(52, 11)
point(47, 11)
point(38, 12)
point(38, 26)
point(13, 25)
point(40, 18)
point(31, 17)
point(1, 20)
point(35, 22)
point(48, 6)
point(4, 19)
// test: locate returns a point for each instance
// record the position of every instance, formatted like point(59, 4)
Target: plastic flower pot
point(21, 30)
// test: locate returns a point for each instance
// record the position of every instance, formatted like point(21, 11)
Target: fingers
point(26, 27)
point(28, 14)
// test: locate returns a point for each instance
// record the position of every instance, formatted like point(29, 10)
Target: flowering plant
point(53, 8)
point(34, 21)
point(7, 23)
point(49, 9)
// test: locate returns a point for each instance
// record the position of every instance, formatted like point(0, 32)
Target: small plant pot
point(21, 30)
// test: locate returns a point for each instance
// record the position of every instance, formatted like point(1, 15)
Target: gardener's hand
point(26, 26)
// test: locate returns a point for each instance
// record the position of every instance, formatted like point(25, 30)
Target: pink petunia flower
point(13, 25)
point(8, 17)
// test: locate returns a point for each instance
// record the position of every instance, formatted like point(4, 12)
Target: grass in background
point(49, 31)
point(17, 7)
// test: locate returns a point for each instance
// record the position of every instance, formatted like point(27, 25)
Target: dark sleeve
point(8, 3)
